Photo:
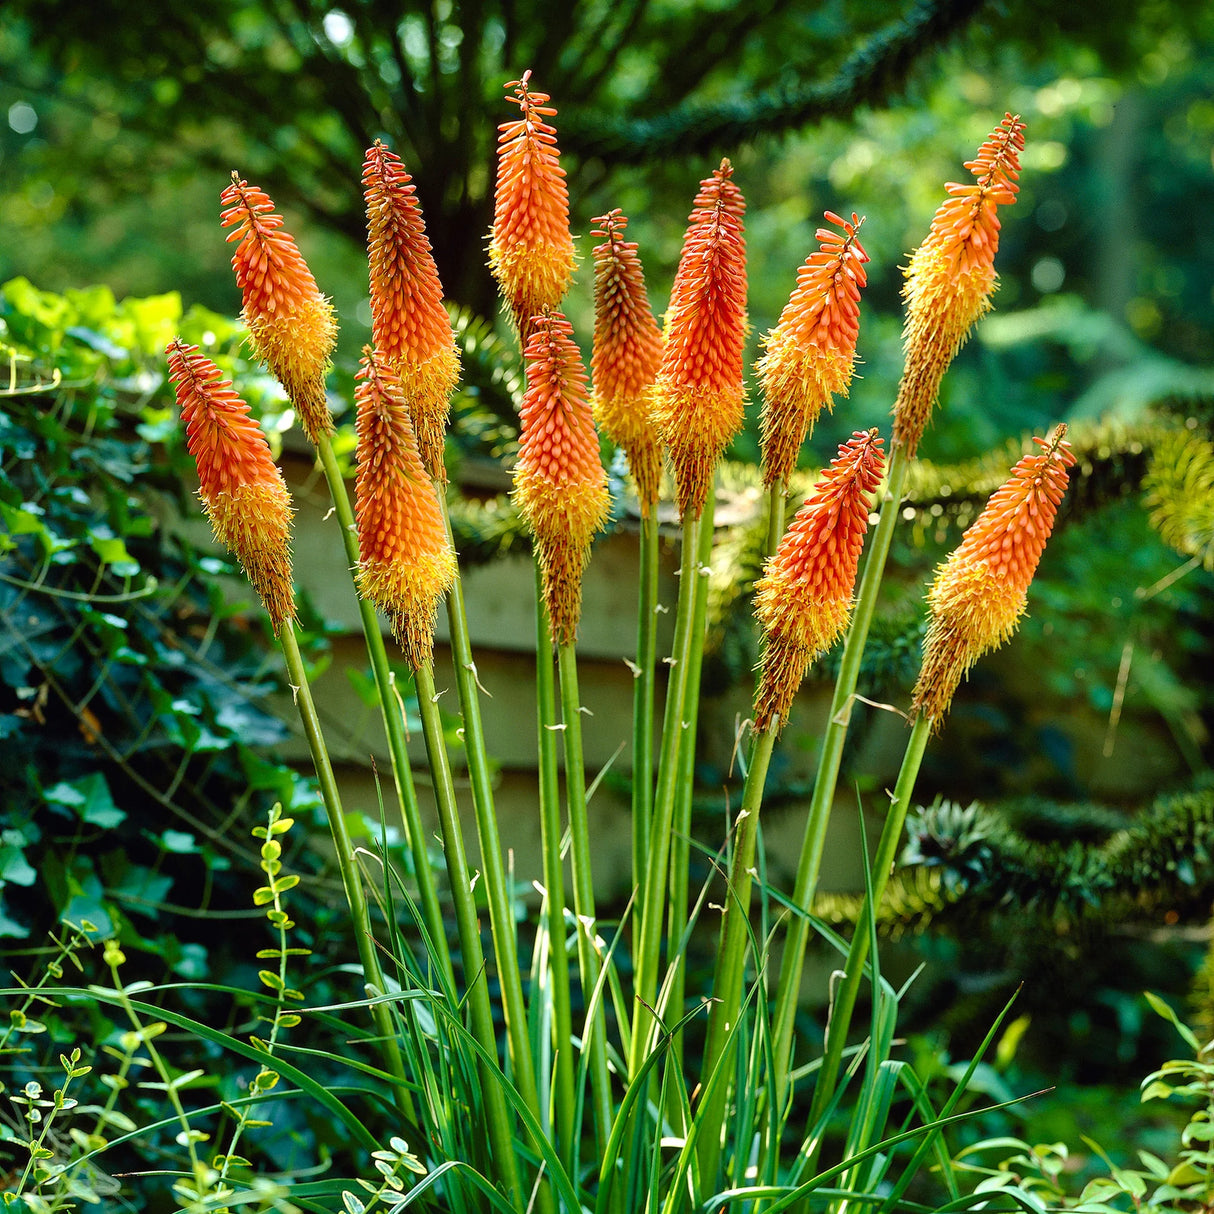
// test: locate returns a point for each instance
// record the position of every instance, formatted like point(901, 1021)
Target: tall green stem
point(789, 984)
point(348, 865)
point(844, 1001)
point(393, 716)
point(776, 497)
point(497, 889)
point(729, 971)
point(647, 951)
point(680, 838)
point(500, 1139)
point(643, 695)
point(554, 871)
point(583, 895)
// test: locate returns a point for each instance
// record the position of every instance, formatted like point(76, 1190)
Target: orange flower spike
point(979, 593)
point(405, 560)
point(560, 487)
point(803, 601)
point(951, 277)
point(409, 325)
point(530, 247)
point(290, 322)
point(240, 485)
point(699, 397)
point(627, 355)
point(811, 352)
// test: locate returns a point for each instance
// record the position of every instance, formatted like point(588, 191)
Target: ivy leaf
point(111, 550)
point(99, 342)
point(14, 866)
point(89, 798)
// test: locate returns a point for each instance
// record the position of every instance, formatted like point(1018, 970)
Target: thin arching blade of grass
point(777, 1115)
point(541, 1142)
point(450, 1080)
point(342, 1029)
point(540, 1009)
point(635, 1092)
point(594, 1010)
point(485, 1187)
point(758, 1193)
point(752, 1101)
point(638, 1195)
point(808, 1153)
point(876, 1092)
point(226, 1042)
point(950, 1104)
point(412, 1038)
point(922, 1106)
point(985, 1199)
point(407, 959)
point(620, 1002)
point(322, 1196)
point(793, 1194)
point(687, 1157)
point(395, 947)
point(645, 1185)
point(870, 1121)
point(441, 1072)
point(593, 786)
point(674, 1096)
point(671, 984)
point(211, 1110)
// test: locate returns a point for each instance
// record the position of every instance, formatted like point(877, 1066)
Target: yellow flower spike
point(699, 397)
point(810, 354)
point(951, 277)
point(560, 486)
point(409, 325)
point(290, 322)
point(240, 485)
point(979, 594)
point(627, 355)
point(531, 249)
point(405, 560)
point(803, 601)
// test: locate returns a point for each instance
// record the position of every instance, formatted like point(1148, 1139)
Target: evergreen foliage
point(1047, 858)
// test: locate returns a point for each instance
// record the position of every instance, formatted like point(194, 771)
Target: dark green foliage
point(1056, 860)
point(139, 745)
point(873, 74)
point(1071, 859)
point(301, 91)
point(132, 690)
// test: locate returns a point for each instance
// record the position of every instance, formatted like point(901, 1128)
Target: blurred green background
point(119, 125)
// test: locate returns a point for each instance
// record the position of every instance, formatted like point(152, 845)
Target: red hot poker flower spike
point(530, 246)
point(560, 487)
point(811, 352)
point(951, 277)
point(979, 594)
point(405, 560)
point(241, 487)
point(409, 325)
point(627, 355)
point(803, 601)
point(699, 398)
point(290, 322)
